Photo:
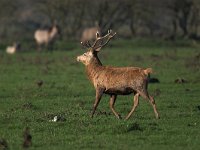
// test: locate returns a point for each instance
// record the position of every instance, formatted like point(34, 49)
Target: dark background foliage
point(167, 19)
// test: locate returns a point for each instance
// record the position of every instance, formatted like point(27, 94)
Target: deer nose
point(78, 58)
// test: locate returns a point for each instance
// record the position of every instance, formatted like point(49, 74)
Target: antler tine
point(83, 44)
point(97, 39)
point(97, 35)
point(86, 44)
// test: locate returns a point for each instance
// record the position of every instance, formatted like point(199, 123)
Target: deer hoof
point(157, 117)
point(119, 117)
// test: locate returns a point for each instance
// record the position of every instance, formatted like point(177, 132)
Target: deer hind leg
point(145, 95)
point(136, 102)
point(99, 93)
point(152, 101)
point(112, 103)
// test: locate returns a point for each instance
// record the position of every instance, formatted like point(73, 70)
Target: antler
point(86, 44)
point(98, 43)
point(99, 39)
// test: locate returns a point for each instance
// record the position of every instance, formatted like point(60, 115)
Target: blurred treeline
point(166, 19)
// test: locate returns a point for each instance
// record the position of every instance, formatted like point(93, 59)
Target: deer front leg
point(112, 103)
point(152, 101)
point(136, 101)
point(99, 93)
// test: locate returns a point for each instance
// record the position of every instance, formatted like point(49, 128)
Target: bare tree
point(181, 10)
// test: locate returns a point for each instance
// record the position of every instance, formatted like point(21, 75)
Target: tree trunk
point(132, 26)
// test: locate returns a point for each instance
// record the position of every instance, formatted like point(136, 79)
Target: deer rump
point(121, 81)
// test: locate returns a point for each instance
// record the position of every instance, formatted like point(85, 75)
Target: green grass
point(66, 92)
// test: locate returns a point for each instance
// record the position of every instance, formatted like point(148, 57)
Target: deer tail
point(148, 71)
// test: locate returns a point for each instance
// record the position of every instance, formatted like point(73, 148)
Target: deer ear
point(98, 49)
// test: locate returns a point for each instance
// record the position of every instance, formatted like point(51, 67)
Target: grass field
point(67, 93)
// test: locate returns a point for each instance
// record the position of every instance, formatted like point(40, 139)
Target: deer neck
point(53, 32)
point(93, 68)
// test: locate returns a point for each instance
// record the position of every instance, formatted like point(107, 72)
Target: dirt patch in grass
point(154, 126)
point(103, 112)
point(156, 57)
point(198, 107)
point(3, 144)
point(172, 105)
point(180, 81)
point(134, 127)
point(138, 58)
point(127, 128)
point(28, 106)
point(39, 83)
point(156, 92)
point(25, 106)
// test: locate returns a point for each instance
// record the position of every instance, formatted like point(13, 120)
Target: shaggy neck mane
point(93, 67)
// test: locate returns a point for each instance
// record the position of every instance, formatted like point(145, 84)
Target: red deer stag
point(114, 80)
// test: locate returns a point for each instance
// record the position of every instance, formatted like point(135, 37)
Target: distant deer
point(46, 36)
point(90, 33)
point(114, 80)
point(13, 49)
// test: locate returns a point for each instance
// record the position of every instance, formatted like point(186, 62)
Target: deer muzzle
point(78, 59)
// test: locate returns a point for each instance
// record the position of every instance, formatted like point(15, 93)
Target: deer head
point(93, 49)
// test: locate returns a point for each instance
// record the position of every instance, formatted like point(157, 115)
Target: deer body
point(45, 36)
point(115, 80)
point(12, 49)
